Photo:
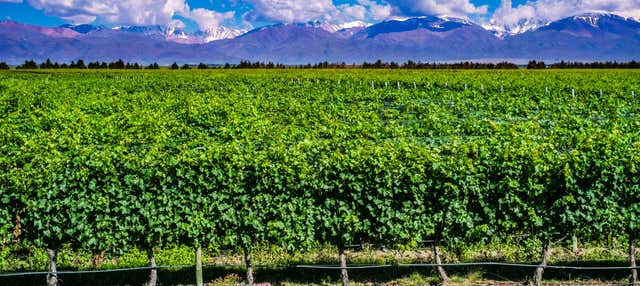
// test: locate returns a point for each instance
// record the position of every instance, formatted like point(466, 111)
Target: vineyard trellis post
point(344, 275)
point(52, 276)
point(247, 261)
point(153, 274)
point(540, 269)
point(199, 280)
point(632, 260)
point(442, 274)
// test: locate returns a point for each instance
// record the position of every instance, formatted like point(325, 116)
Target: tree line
point(120, 64)
point(582, 65)
point(80, 64)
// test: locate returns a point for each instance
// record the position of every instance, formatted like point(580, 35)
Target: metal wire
point(131, 269)
point(471, 264)
point(330, 267)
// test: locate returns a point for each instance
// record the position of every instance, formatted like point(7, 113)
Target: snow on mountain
point(354, 24)
point(178, 35)
point(332, 28)
point(524, 25)
point(218, 33)
point(527, 25)
point(430, 23)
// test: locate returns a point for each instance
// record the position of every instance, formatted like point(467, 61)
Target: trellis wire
point(330, 267)
point(131, 269)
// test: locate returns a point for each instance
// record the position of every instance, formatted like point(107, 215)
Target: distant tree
point(202, 66)
point(175, 66)
point(536, 65)
point(153, 66)
point(378, 64)
point(29, 64)
point(186, 67)
point(4, 66)
point(119, 64)
point(80, 64)
point(47, 64)
point(227, 66)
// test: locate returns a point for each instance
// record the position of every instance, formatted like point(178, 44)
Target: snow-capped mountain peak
point(525, 25)
point(332, 28)
point(354, 24)
point(593, 18)
point(177, 34)
point(218, 33)
point(430, 23)
point(522, 26)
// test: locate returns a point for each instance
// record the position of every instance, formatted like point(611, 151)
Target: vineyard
point(228, 159)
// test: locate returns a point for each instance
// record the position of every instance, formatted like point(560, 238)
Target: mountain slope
point(586, 37)
point(20, 42)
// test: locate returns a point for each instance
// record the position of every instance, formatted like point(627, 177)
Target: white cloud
point(129, 12)
point(207, 19)
point(458, 8)
point(380, 12)
point(353, 11)
point(365, 10)
point(290, 11)
point(535, 13)
point(300, 11)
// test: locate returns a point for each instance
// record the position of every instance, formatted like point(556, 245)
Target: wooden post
point(343, 267)
point(632, 260)
point(153, 275)
point(540, 270)
point(199, 281)
point(247, 262)
point(438, 256)
point(52, 277)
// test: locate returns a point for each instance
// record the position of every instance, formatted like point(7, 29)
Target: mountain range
point(584, 37)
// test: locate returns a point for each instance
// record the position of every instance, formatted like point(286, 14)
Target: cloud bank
point(166, 12)
point(130, 12)
point(535, 13)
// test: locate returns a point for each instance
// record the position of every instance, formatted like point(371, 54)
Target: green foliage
point(118, 161)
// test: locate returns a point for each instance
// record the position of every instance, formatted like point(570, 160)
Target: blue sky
point(248, 14)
